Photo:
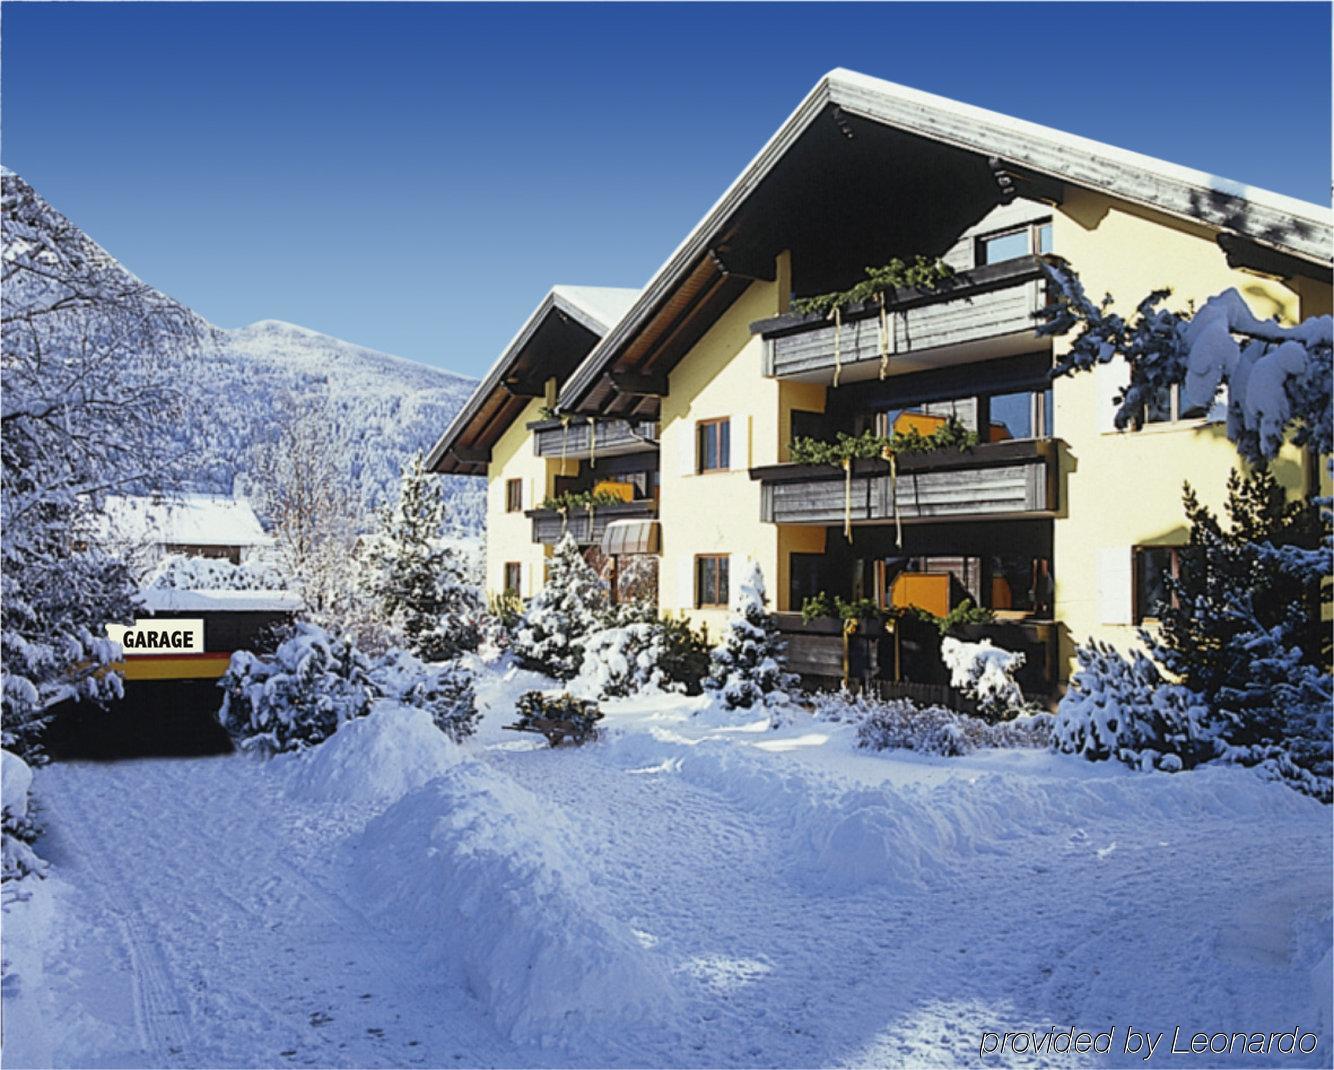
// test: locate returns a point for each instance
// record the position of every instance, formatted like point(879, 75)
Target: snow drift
point(492, 878)
point(376, 759)
point(846, 837)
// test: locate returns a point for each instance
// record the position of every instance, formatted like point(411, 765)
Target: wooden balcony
point(581, 440)
point(587, 526)
point(1019, 478)
point(984, 312)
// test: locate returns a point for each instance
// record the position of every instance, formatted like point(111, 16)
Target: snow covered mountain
point(385, 407)
point(249, 379)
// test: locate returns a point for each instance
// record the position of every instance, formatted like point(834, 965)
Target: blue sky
point(413, 177)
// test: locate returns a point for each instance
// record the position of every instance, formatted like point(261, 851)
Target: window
point(1010, 244)
point(929, 417)
point(807, 424)
point(513, 577)
point(711, 581)
point(513, 496)
point(803, 580)
point(1153, 565)
point(1024, 414)
point(1166, 406)
point(713, 445)
point(1020, 583)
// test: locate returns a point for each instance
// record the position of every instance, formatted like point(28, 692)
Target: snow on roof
point(176, 600)
point(186, 520)
point(606, 304)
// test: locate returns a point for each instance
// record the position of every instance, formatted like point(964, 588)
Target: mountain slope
point(247, 380)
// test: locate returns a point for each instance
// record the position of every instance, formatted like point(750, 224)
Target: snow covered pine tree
point(419, 583)
point(747, 668)
point(93, 368)
point(569, 607)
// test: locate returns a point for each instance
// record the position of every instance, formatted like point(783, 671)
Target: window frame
point(516, 589)
point(1033, 228)
point(514, 495)
point(1139, 613)
point(720, 588)
point(715, 425)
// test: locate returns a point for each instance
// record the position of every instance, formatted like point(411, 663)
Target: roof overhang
point(984, 156)
point(559, 333)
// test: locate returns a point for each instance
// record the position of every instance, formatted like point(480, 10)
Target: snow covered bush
point(748, 667)
point(570, 606)
point(181, 572)
point(899, 724)
point(17, 830)
point(1242, 636)
point(557, 716)
point(1123, 708)
point(643, 655)
point(297, 696)
point(444, 691)
point(419, 584)
point(985, 673)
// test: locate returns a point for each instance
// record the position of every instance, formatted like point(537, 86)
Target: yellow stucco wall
point(719, 512)
point(509, 536)
point(1124, 489)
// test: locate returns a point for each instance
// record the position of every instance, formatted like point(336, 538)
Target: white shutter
point(1110, 380)
point(686, 448)
point(525, 579)
point(685, 583)
point(737, 568)
point(1116, 585)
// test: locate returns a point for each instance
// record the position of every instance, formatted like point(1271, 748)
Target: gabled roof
point(712, 265)
point(187, 520)
point(560, 332)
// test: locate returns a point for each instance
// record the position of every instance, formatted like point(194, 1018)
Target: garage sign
point(159, 635)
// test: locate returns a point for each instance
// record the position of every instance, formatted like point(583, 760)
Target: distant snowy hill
point(386, 407)
point(249, 378)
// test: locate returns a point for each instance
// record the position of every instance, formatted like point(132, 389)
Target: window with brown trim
point(713, 445)
point(1153, 566)
point(711, 580)
point(514, 495)
point(513, 577)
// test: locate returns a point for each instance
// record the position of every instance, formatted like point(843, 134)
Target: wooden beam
point(517, 388)
point(1245, 253)
point(1015, 182)
point(470, 454)
point(730, 261)
point(636, 385)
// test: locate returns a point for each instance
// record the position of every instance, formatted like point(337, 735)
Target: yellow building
point(1056, 521)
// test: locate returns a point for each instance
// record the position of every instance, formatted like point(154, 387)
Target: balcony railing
point(580, 439)
point(586, 525)
point(986, 305)
point(1016, 478)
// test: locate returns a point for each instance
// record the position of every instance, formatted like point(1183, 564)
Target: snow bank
point(376, 759)
point(491, 878)
point(17, 859)
point(909, 837)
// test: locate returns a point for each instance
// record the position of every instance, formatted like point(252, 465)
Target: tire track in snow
point(162, 1020)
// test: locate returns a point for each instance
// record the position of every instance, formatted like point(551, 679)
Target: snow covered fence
point(495, 875)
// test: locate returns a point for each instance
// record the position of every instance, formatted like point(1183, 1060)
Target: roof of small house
point(914, 165)
point(178, 600)
point(562, 329)
point(184, 520)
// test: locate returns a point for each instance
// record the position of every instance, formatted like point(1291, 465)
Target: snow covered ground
point(685, 892)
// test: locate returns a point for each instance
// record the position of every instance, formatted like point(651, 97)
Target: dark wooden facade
point(581, 439)
point(585, 525)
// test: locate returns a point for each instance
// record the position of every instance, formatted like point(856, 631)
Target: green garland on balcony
point(846, 448)
point(581, 499)
point(921, 274)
